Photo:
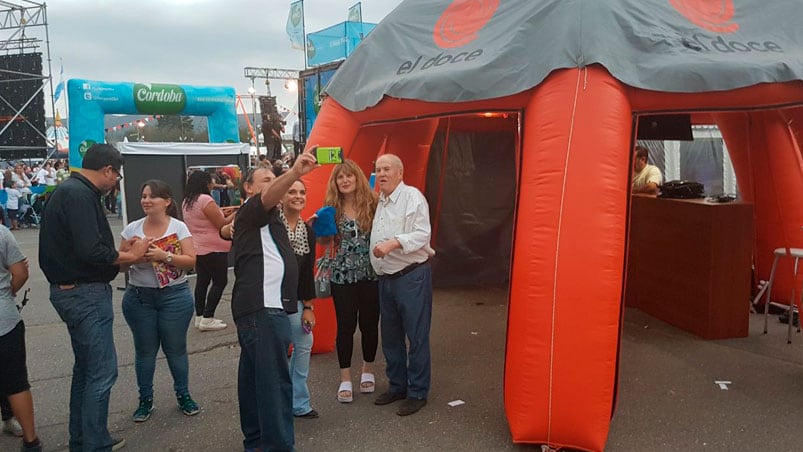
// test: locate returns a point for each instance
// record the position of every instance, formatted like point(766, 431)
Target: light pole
point(252, 91)
point(140, 125)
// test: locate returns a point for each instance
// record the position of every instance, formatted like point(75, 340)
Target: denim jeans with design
point(264, 388)
point(87, 311)
point(160, 317)
point(299, 363)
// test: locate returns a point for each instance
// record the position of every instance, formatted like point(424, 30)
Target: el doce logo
point(713, 15)
point(157, 98)
point(457, 26)
point(461, 21)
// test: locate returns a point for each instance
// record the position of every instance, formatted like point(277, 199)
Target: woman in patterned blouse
point(354, 284)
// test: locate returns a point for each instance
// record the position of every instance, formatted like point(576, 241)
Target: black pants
point(212, 267)
point(5, 408)
point(356, 302)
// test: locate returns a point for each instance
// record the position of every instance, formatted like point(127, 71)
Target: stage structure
point(25, 79)
point(269, 111)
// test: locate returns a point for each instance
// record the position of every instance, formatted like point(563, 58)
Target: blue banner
point(355, 13)
point(314, 85)
point(336, 42)
point(295, 25)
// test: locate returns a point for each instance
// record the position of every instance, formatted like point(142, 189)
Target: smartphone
point(307, 327)
point(329, 155)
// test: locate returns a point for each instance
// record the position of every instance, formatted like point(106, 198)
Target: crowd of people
point(25, 189)
point(380, 254)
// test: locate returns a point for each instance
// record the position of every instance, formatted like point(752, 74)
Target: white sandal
point(367, 383)
point(345, 386)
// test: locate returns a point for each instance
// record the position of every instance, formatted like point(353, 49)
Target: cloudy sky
point(192, 42)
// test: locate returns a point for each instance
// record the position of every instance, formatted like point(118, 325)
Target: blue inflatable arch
point(91, 100)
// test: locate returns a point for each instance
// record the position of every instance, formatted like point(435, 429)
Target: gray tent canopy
point(461, 50)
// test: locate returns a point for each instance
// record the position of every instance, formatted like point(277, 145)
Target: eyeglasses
point(117, 171)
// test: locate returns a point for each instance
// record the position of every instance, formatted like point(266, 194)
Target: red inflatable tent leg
point(768, 166)
point(566, 285)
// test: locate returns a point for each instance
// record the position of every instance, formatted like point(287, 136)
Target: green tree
point(176, 128)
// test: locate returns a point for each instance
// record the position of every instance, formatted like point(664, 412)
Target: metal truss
point(23, 29)
point(270, 74)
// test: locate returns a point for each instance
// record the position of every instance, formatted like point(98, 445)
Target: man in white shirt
point(400, 255)
point(646, 177)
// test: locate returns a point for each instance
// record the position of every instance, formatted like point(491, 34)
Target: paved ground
point(668, 399)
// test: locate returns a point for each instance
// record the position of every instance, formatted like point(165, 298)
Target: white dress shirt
point(404, 215)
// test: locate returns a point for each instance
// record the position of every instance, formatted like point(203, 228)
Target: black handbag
point(682, 189)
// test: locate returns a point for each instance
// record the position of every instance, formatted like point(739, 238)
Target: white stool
point(797, 253)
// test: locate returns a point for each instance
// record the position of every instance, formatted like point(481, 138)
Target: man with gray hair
point(400, 255)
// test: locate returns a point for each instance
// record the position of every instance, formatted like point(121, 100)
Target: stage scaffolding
point(24, 31)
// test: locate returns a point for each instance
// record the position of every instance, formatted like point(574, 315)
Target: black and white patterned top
point(351, 263)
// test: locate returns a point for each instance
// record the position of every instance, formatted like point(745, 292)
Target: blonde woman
point(353, 282)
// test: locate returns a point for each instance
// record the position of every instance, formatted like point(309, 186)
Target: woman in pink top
point(204, 219)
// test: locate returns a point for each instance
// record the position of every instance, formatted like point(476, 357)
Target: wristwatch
point(169, 258)
point(309, 307)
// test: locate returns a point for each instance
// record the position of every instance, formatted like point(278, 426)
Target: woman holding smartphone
point(354, 284)
point(303, 321)
point(158, 304)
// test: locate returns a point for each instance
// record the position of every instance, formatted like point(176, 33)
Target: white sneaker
point(12, 427)
point(198, 319)
point(211, 325)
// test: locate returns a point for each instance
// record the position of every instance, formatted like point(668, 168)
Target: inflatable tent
point(578, 76)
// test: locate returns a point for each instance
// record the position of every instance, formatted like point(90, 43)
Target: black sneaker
point(187, 405)
point(312, 414)
point(144, 410)
point(33, 446)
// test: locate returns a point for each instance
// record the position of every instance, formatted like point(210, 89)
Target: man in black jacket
point(265, 291)
point(78, 256)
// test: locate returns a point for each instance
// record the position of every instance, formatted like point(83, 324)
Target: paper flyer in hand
point(166, 273)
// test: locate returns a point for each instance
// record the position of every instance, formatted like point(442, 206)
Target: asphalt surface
point(668, 399)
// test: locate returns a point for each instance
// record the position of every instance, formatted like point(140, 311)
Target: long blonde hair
point(364, 199)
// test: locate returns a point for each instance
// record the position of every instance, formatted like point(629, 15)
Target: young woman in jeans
point(354, 284)
point(204, 219)
point(303, 321)
point(158, 306)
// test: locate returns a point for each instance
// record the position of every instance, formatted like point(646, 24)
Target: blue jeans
point(405, 304)
point(87, 311)
point(264, 388)
point(299, 363)
point(160, 317)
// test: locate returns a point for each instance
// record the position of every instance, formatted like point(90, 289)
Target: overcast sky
point(191, 42)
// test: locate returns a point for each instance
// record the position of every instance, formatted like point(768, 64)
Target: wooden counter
point(689, 264)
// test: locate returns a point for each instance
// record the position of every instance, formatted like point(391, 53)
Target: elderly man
point(400, 255)
point(78, 257)
point(646, 177)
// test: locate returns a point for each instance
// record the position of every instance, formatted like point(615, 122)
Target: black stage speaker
point(20, 78)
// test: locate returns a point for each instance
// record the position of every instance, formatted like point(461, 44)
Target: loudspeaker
point(20, 78)
point(267, 107)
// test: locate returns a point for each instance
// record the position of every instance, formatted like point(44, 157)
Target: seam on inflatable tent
point(557, 247)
